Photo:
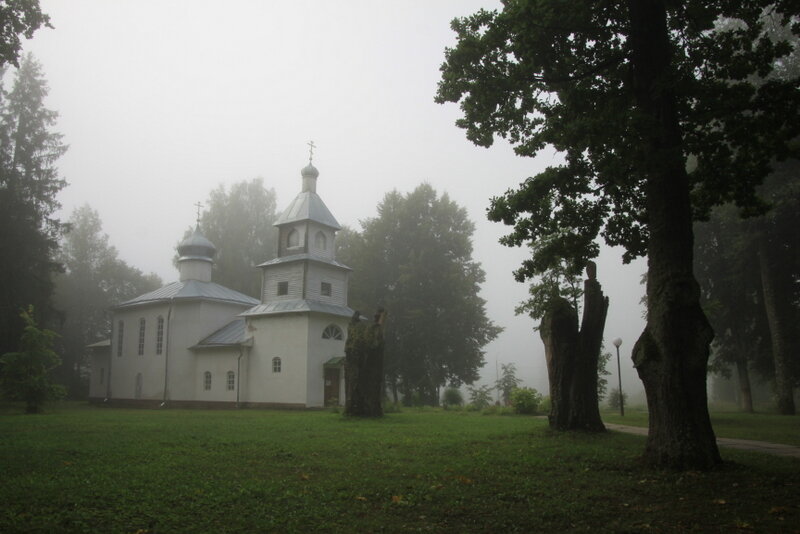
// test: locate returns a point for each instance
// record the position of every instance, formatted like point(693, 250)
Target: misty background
point(160, 102)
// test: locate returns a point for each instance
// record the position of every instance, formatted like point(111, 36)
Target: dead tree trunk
point(364, 367)
point(572, 358)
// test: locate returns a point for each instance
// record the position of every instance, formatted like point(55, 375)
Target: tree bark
point(364, 367)
point(572, 358)
point(777, 330)
point(671, 355)
point(743, 373)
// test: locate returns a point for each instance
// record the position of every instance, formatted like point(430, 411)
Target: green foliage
point(480, 397)
point(546, 405)
point(415, 260)
point(614, 398)
point(602, 373)
point(94, 280)
point(29, 185)
point(18, 18)
point(508, 381)
point(526, 400)
point(452, 397)
point(24, 375)
point(239, 221)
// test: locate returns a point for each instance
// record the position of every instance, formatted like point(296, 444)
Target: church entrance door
point(331, 386)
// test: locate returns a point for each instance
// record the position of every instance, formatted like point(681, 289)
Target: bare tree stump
point(572, 357)
point(364, 366)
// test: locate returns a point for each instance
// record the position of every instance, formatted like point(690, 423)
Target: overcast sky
point(162, 101)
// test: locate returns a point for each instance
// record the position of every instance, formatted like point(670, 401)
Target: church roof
point(297, 306)
point(232, 334)
point(190, 289)
point(308, 206)
point(299, 257)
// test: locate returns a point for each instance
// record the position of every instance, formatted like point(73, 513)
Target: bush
point(452, 397)
point(545, 406)
point(613, 399)
point(525, 400)
point(480, 397)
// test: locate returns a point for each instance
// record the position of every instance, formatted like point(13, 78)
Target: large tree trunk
point(743, 374)
point(364, 367)
point(671, 355)
point(777, 329)
point(572, 358)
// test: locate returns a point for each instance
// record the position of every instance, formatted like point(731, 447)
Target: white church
point(197, 343)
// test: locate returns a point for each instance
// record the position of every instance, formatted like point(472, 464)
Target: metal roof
point(232, 334)
point(299, 257)
point(190, 289)
point(308, 206)
point(297, 306)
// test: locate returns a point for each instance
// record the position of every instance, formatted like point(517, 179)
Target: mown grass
point(144, 471)
point(756, 426)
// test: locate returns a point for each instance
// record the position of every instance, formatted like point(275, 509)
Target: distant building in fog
point(194, 342)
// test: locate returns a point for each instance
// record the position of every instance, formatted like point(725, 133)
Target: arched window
point(160, 335)
point(320, 241)
point(293, 239)
point(137, 393)
point(231, 380)
point(141, 335)
point(207, 380)
point(332, 332)
point(276, 365)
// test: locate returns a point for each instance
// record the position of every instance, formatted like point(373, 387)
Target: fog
point(160, 102)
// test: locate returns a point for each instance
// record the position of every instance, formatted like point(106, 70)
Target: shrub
point(545, 406)
point(525, 400)
point(452, 397)
point(480, 397)
point(613, 398)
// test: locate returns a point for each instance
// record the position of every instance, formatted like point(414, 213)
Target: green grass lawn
point(761, 427)
point(84, 469)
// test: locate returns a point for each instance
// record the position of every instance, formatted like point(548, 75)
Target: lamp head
point(617, 342)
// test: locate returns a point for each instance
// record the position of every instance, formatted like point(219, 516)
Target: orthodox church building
point(195, 342)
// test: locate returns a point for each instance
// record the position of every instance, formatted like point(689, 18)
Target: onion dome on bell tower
point(196, 257)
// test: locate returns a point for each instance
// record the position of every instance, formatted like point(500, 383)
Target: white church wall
point(320, 351)
point(218, 362)
point(291, 273)
point(277, 336)
point(98, 380)
point(319, 273)
point(134, 375)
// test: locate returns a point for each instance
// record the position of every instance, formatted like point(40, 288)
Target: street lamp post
point(617, 342)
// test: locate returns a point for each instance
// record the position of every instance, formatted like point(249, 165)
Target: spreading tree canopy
point(626, 92)
point(415, 260)
point(238, 220)
point(29, 183)
point(18, 18)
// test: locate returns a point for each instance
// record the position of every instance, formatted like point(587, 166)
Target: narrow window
point(141, 336)
point(231, 380)
point(320, 241)
point(293, 238)
point(325, 289)
point(160, 335)
point(102, 375)
point(276, 365)
point(120, 330)
point(137, 393)
point(283, 288)
point(207, 380)
point(332, 332)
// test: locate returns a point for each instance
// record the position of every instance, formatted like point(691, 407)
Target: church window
point(320, 241)
point(325, 289)
point(231, 380)
point(207, 380)
point(141, 336)
point(120, 330)
point(276, 365)
point(293, 238)
point(160, 335)
point(283, 288)
point(137, 393)
point(332, 332)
